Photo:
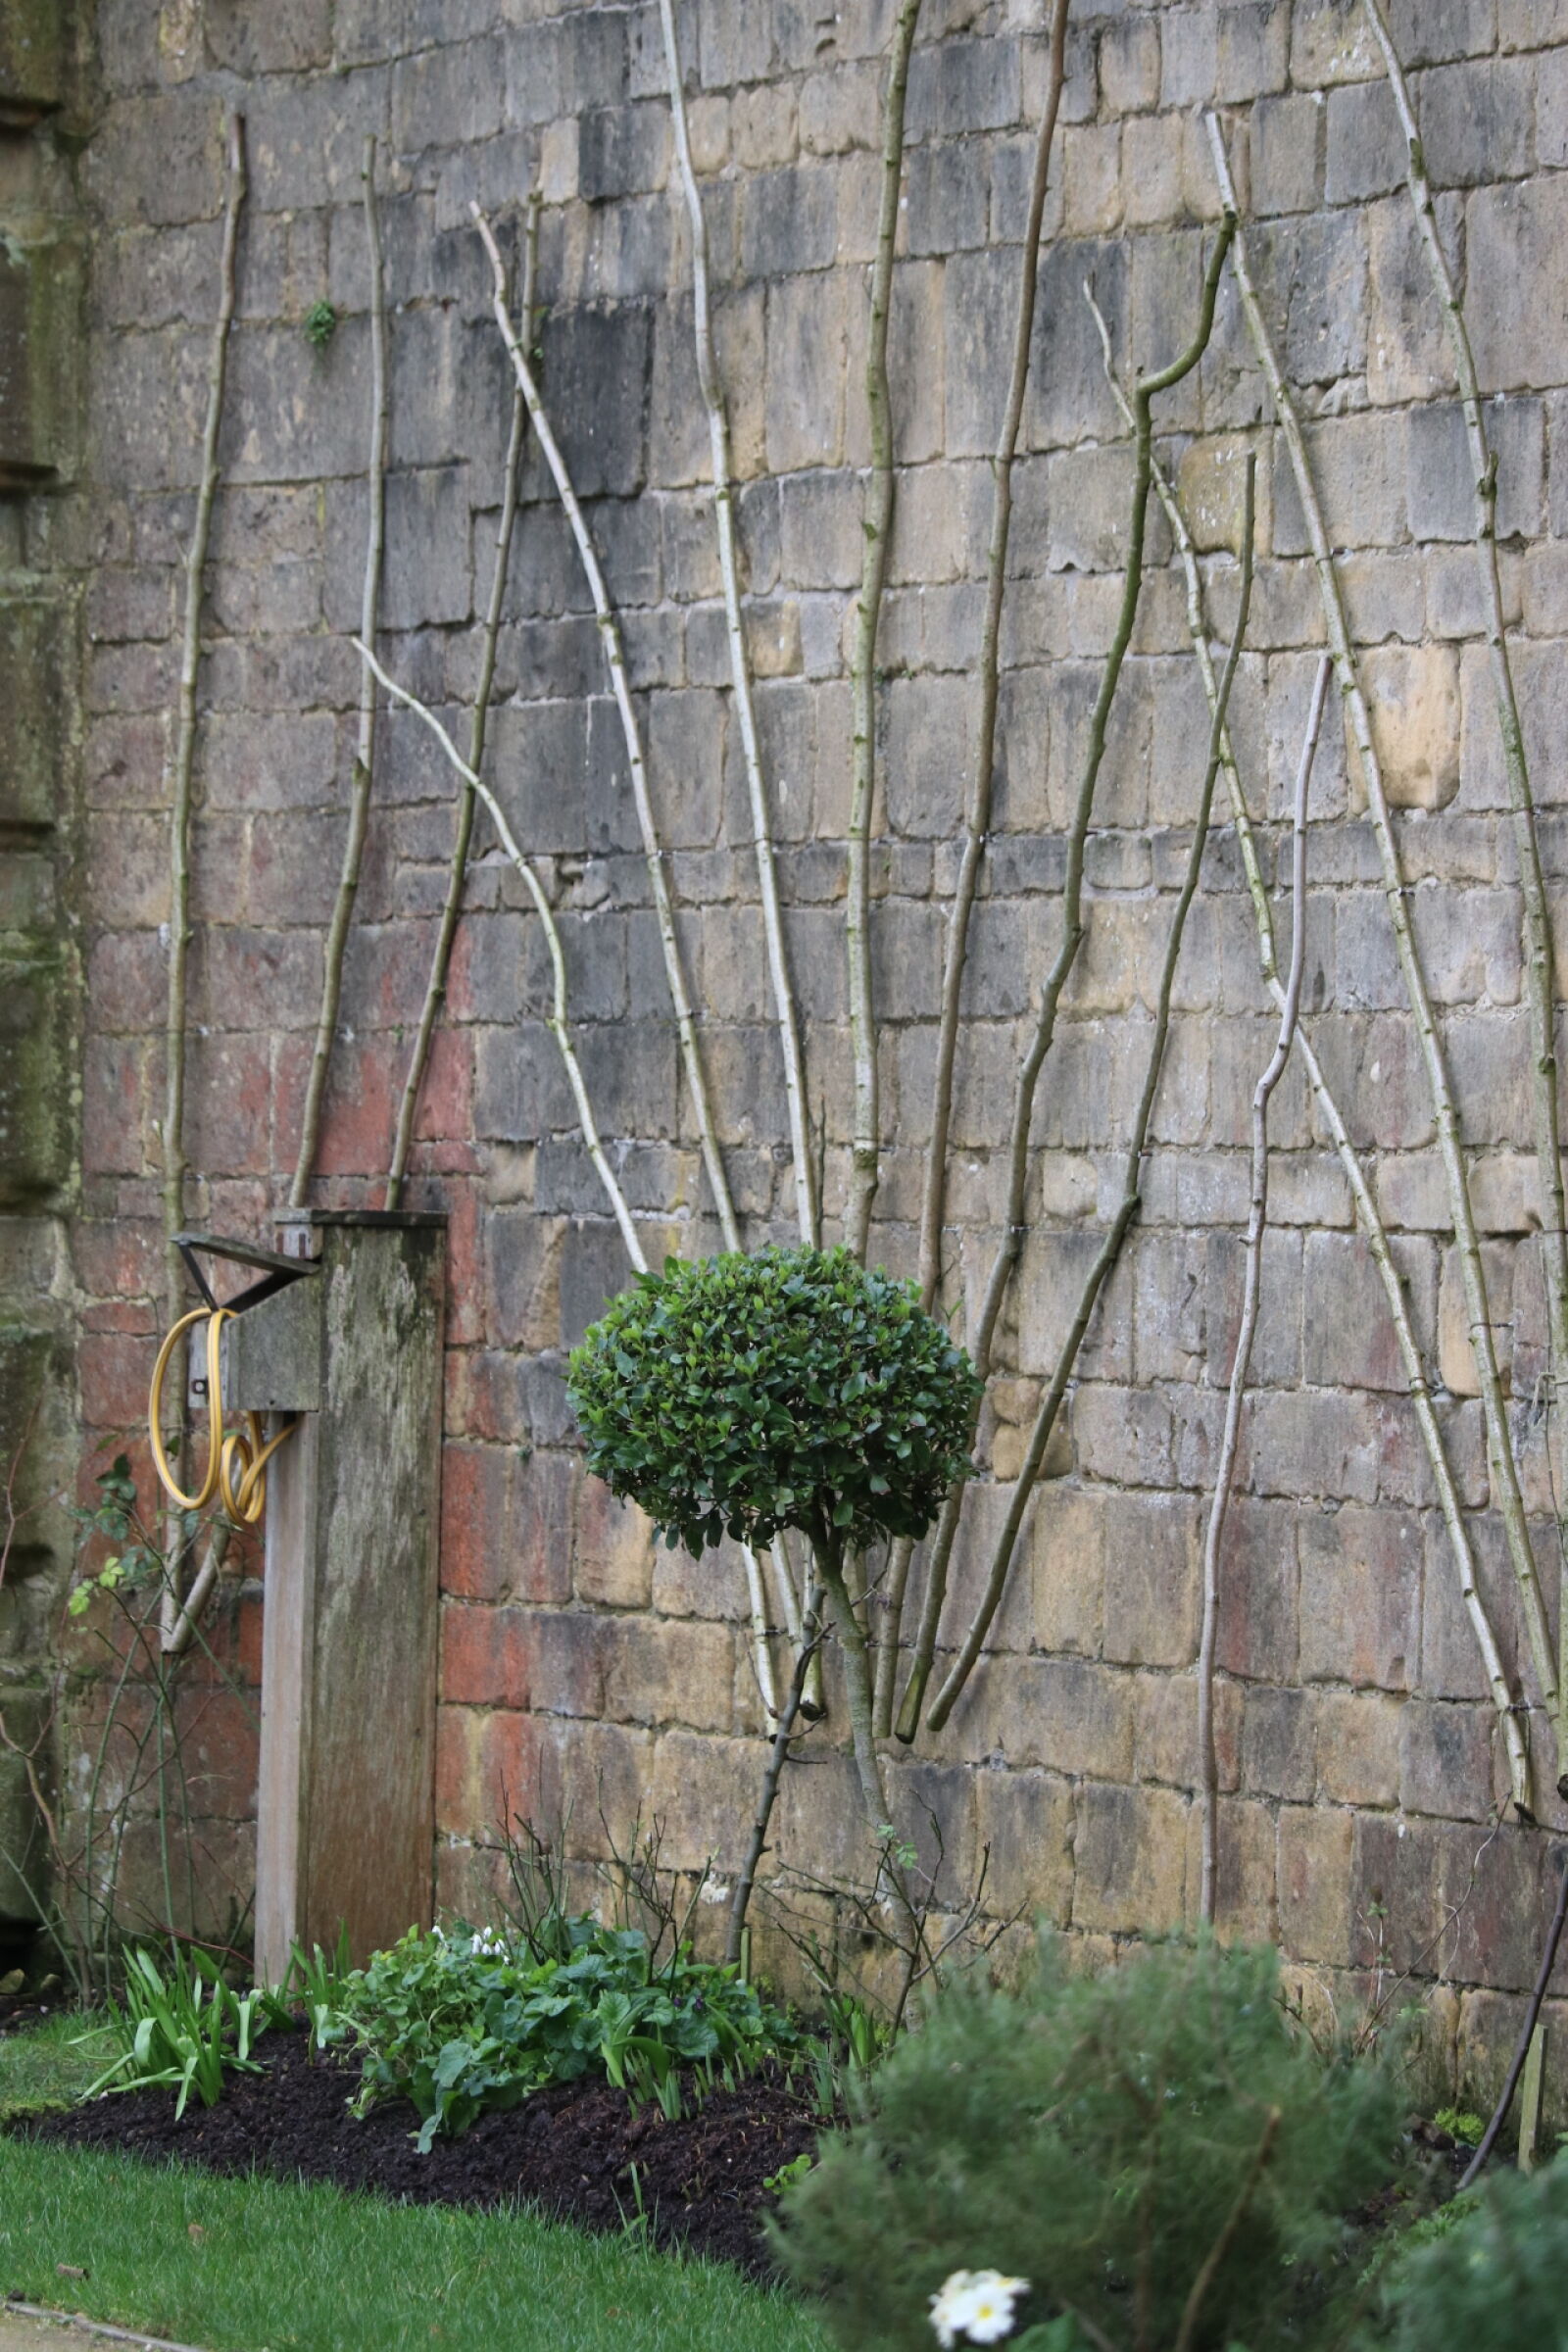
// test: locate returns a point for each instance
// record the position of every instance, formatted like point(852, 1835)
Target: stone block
point(1067, 1538)
point(1166, 1708)
point(679, 1673)
point(1059, 1714)
point(1252, 57)
point(1447, 1760)
point(1477, 121)
point(790, 222)
point(1349, 1337)
point(841, 110)
point(1316, 1921)
point(1279, 1744)
point(1026, 1821)
point(1365, 150)
point(1442, 483)
point(34, 688)
point(807, 327)
point(963, 85)
point(947, 199)
point(1152, 1550)
point(1189, 49)
point(1257, 1632)
point(1360, 1596)
point(612, 1550)
point(1129, 64)
point(1358, 1746)
point(1517, 235)
point(1130, 1857)
point(1311, 273)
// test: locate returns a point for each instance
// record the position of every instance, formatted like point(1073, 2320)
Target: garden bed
point(576, 2150)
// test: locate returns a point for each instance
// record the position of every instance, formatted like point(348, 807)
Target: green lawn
point(261, 2265)
point(52, 2063)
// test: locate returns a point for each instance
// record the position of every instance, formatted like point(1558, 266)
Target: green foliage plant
point(1493, 2280)
point(180, 2026)
point(741, 1396)
point(1157, 2149)
point(464, 2020)
point(320, 324)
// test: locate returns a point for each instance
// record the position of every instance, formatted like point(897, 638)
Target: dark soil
point(568, 2150)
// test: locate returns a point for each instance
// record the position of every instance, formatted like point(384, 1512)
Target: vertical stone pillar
point(346, 1808)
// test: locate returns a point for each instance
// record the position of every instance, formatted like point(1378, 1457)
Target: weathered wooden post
point(345, 1811)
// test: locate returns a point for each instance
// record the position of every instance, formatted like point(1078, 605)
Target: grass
point(51, 2065)
point(266, 2266)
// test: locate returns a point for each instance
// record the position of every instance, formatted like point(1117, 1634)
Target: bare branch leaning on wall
point(616, 663)
point(1500, 1453)
point(1539, 962)
point(1256, 1221)
point(1110, 1247)
point(1146, 389)
point(1366, 1207)
point(977, 819)
point(865, 1141)
point(337, 935)
point(182, 780)
point(451, 913)
point(713, 395)
point(557, 1022)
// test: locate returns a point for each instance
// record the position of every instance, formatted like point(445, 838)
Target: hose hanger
point(236, 1458)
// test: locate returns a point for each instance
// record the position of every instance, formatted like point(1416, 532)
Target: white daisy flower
point(975, 2306)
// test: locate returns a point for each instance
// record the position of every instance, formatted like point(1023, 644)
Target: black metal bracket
point(277, 1271)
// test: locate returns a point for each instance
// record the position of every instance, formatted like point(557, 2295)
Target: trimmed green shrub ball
point(739, 1395)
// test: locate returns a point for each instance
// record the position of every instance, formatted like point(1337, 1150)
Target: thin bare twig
point(1110, 1247)
point(616, 663)
point(865, 1141)
point(1145, 391)
point(451, 913)
point(1540, 960)
point(977, 819)
point(1257, 1217)
point(337, 935)
point(783, 1739)
point(712, 396)
point(1500, 1452)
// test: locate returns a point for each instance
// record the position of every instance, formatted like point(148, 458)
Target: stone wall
point(578, 1663)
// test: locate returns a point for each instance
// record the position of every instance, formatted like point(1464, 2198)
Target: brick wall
point(1357, 1743)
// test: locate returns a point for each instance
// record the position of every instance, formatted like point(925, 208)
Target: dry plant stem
point(182, 782)
point(1257, 1216)
point(616, 663)
point(1366, 1207)
point(1110, 1247)
point(1539, 962)
point(1500, 1453)
point(712, 396)
point(876, 524)
point(451, 911)
point(783, 1739)
point(1072, 931)
point(556, 1021)
point(337, 936)
point(829, 1555)
point(977, 821)
point(1549, 1961)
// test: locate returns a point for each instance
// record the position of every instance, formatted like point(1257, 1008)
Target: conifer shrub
point(1495, 2282)
point(1157, 2150)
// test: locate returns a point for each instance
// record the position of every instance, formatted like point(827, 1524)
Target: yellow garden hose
point(242, 1455)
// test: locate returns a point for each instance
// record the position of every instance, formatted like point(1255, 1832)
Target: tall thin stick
point(1257, 1216)
point(337, 935)
point(865, 1140)
point(1500, 1453)
point(556, 1022)
point(977, 821)
point(1366, 1207)
point(183, 784)
point(1110, 1247)
point(1540, 962)
point(615, 663)
point(713, 395)
point(1145, 390)
point(451, 913)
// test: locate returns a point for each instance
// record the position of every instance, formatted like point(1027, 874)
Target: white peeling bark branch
point(1110, 1247)
point(616, 663)
point(1366, 1208)
point(1256, 1221)
point(865, 1140)
point(451, 913)
point(1072, 932)
point(712, 396)
point(557, 1020)
point(1500, 1452)
point(365, 745)
point(1539, 962)
point(183, 779)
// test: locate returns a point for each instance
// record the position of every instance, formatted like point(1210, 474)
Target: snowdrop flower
point(976, 2306)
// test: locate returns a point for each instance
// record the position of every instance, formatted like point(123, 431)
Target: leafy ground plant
point(1156, 2150)
point(236, 2264)
point(181, 2026)
point(462, 2020)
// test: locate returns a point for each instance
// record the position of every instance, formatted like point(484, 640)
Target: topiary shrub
point(1156, 2150)
point(793, 1388)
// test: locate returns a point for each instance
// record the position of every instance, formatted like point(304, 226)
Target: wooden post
point(346, 1810)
